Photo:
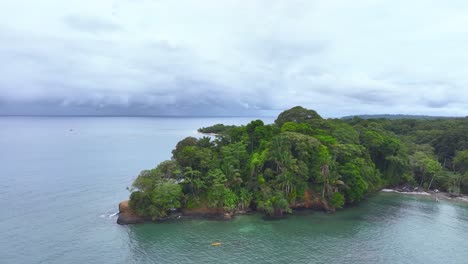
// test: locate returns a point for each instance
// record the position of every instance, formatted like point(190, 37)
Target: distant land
point(394, 117)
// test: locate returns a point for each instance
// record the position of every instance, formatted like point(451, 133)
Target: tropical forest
point(304, 161)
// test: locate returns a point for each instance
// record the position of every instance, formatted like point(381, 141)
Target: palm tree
point(286, 182)
point(205, 142)
point(331, 180)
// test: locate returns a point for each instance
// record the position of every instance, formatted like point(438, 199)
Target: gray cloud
point(232, 58)
point(90, 24)
point(438, 104)
point(372, 96)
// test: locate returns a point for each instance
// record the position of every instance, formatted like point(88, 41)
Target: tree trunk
point(422, 178)
point(430, 183)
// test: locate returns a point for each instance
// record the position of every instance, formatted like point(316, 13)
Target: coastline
point(435, 195)
point(126, 216)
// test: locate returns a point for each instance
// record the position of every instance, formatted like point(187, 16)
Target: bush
point(337, 200)
point(158, 202)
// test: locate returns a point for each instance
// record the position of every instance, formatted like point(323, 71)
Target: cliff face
point(128, 216)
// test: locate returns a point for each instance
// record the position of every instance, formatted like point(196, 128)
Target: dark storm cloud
point(218, 58)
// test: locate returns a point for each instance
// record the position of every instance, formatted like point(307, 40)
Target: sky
point(239, 58)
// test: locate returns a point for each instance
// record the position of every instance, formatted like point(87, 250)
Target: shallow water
point(62, 178)
point(388, 228)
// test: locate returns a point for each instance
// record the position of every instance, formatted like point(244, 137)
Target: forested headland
point(304, 161)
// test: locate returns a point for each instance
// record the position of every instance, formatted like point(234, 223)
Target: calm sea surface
point(61, 180)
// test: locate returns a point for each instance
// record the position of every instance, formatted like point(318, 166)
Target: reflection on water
point(387, 228)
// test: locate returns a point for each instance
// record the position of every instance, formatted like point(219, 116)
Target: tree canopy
point(303, 160)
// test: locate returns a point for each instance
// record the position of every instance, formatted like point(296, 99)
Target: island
point(301, 161)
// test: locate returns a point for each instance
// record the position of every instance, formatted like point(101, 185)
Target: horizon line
point(32, 115)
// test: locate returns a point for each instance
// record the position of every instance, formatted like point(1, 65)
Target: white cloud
point(338, 57)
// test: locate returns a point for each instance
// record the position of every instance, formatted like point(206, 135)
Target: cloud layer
point(233, 57)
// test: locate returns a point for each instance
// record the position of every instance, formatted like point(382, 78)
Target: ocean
point(61, 179)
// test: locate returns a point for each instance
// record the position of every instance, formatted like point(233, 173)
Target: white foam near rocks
point(419, 193)
point(109, 215)
point(391, 190)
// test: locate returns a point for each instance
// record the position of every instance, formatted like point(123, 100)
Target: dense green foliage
point(437, 149)
point(214, 129)
point(395, 117)
point(297, 114)
point(303, 160)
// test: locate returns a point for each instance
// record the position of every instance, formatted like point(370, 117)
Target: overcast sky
point(214, 57)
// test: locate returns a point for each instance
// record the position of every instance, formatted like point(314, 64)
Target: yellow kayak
point(216, 244)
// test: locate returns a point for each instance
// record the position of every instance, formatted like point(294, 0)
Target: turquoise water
point(62, 178)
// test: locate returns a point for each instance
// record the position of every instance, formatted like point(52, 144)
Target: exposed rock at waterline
point(128, 216)
point(207, 213)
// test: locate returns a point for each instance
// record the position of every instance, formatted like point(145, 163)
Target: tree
point(433, 168)
point(186, 142)
point(257, 133)
point(157, 202)
point(302, 128)
point(257, 160)
point(272, 202)
point(425, 166)
point(293, 157)
point(461, 161)
point(386, 151)
point(166, 196)
point(448, 143)
point(356, 186)
point(205, 142)
point(325, 161)
point(337, 200)
point(297, 114)
point(201, 159)
point(344, 133)
point(165, 170)
point(215, 129)
point(234, 162)
point(193, 182)
point(461, 167)
point(244, 199)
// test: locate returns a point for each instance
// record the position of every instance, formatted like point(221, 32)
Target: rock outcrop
point(128, 216)
point(207, 213)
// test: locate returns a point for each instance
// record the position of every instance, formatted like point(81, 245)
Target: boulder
point(228, 216)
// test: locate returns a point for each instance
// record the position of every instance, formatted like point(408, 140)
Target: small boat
point(216, 244)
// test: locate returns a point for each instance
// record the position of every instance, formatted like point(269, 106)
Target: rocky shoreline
point(436, 195)
point(128, 216)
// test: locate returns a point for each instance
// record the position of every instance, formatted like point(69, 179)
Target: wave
point(109, 215)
